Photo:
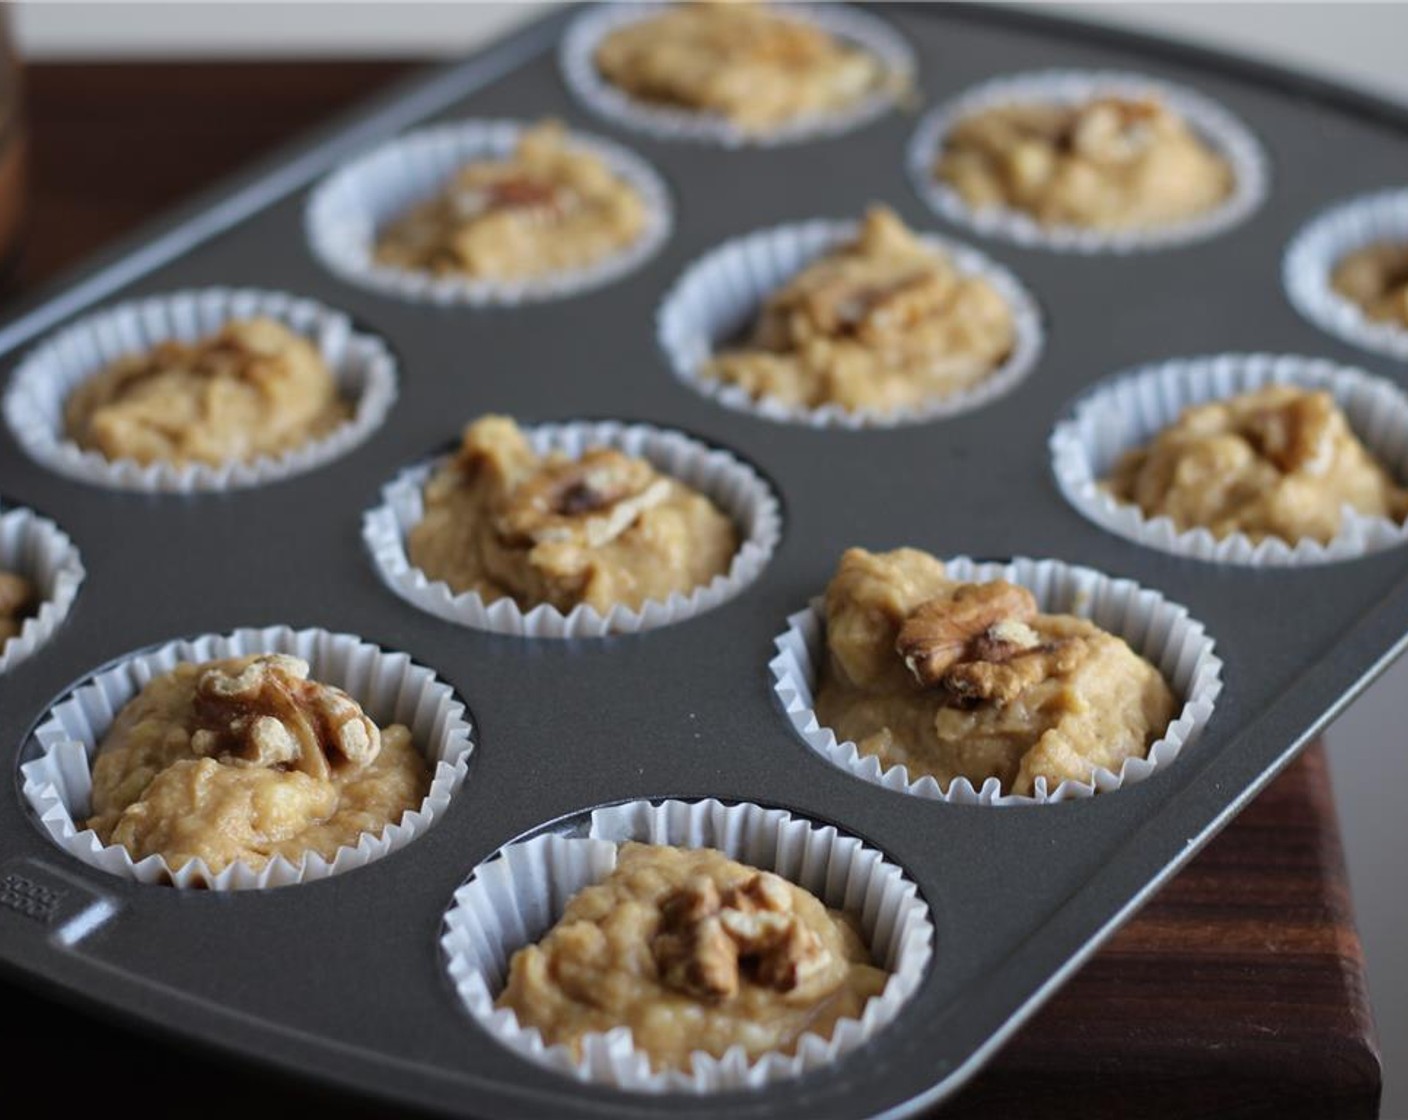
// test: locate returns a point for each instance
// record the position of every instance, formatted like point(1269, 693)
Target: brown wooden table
point(1238, 992)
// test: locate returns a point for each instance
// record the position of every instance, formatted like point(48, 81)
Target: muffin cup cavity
point(1132, 408)
point(720, 294)
point(361, 366)
point(57, 784)
point(1160, 631)
point(514, 898)
point(1311, 259)
point(858, 28)
point(35, 548)
point(733, 486)
point(348, 208)
point(1227, 135)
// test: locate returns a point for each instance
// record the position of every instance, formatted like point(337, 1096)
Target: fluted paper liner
point(361, 365)
point(1160, 631)
point(35, 548)
point(576, 56)
point(1318, 249)
point(732, 485)
point(1226, 135)
point(514, 898)
point(351, 205)
point(717, 297)
point(1131, 409)
point(389, 686)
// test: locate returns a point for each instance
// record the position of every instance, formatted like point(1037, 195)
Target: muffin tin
point(342, 979)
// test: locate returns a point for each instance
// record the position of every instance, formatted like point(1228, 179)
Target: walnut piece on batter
point(18, 598)
point(549, 206)
point(1376, 278)
point(1280, 461)
point(254, 388)
point(880, 322)
point(1111, 163)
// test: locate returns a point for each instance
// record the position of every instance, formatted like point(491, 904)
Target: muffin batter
point(1108, 164)
point(1376, 278)
point(245, 759)
point(756, 68)
point(880, 323)
point(18, 598)
point(692, 951)
point(603, 530)
point(969, 680)
point(550, 207)
point(253, 389)
point(1278, 462)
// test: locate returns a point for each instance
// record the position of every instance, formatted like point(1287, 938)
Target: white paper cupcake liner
point(1132, 408)
point(577, 53)
point(732, 485)
point(1160, 631)
point(361, 365)
point(35, 548)
point(389, 686)
point(349, 207)
point(1312, 257)
point(514, 899)
point(719, 295)
point(1228, 136)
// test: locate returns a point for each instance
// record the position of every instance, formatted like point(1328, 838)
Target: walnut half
point(709, 940)
point(268, 713)
point(590, 501)
point(976, 643)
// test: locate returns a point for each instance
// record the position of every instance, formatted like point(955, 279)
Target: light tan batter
point(756, 68)
point(968, 680)
point(1277, 462)
point(253, 389)
point(605, 529)
point(1109, 164)
point(245, 759)
point(880, 323)
point(692, 951)
point(550, 207)
point(18, 598)
point(1376, 278)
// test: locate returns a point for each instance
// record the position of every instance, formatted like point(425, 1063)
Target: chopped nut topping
point(593, 499)
point(538, 199)
point(1113, 131)
point(270, 714)
point(708, 940)
point(976, 643)
point(1297, 435)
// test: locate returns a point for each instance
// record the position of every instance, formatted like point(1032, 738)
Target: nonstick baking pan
point(342, 980)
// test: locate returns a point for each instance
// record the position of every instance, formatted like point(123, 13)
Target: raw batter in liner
point(970, 680)
point(1108, 164)
point(253, 389)
point(244, 759)
point(879, 323)
point(1376, 278)
point(18, 598)
point(549, 207)
point(692, 951)
point(1278, 462)
point(758, 69)
point(604, 529)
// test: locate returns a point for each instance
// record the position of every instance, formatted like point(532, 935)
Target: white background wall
point(1364, 44)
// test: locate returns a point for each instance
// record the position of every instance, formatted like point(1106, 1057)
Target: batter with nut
point(971, 680)
point(882, 322)
point(244, 759)
point(1281, 461)
point(1375, 278)
point(604, 529)
point(18, 598)
point(549, 207)
point(693, 952)
point(252, 389)
point(757, 69)
point(1111, 163)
